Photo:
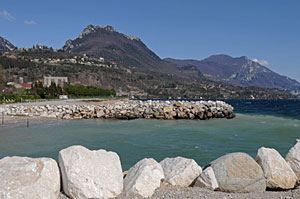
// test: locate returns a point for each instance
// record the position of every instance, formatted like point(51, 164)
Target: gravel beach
point(173, 192)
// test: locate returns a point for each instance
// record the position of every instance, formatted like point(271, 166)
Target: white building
point(59, 81)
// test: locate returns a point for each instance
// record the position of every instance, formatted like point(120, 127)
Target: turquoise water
point(133, 140)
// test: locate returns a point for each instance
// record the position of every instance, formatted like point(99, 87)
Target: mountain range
point(131, 52)
point(239, 71)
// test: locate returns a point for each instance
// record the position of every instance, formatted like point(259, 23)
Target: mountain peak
point(244, 57)
point(240, 71)
point(107, 42)
point(5, 45)
point(92, 29)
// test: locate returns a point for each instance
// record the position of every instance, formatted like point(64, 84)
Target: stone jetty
point(85, 173)
point(128, 110)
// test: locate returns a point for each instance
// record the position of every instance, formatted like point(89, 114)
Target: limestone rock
point(293, 158)
point(34, 178)
point(144, 177)
point(180, 171)
point(278, 173)
point(207, 179)
point(238, 172)
point(90, 174)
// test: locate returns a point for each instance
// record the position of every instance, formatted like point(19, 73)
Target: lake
point(255, 126)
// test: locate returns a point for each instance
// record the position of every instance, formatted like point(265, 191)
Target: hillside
point(34, 64)
point(130, 68)
point(240, 71)
point(5, 45)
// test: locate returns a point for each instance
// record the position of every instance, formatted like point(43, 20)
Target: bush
point(78, 90)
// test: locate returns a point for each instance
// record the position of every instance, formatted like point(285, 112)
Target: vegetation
point(142, 82)
point(17, 98)
point(79, 90)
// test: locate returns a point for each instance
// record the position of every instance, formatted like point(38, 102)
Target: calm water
point(133, 140)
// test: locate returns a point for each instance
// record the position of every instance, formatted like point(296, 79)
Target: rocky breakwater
point(98, 174)
point(129, 110)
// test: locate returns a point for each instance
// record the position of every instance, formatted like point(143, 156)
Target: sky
point(266, 31)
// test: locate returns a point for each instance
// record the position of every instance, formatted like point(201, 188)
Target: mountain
point(5, 45)
point(33, 64)
point(153, 74)
point(107, 42)
point(239, 71)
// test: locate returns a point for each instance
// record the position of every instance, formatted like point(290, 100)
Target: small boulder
point(90, 174)
point(34, 178)
point(238, 172)
point(144, 177)
point(293, 158)
point(180, 171)
point(207, 179)
point(168, 109)
point(278, 173)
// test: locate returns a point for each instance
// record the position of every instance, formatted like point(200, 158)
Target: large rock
point(207, 179)
point(238, 172)
point(90, 174)
point(278, 173)
point(293, 158)
point(34, 178)
point(144, 177)
point(180, 171)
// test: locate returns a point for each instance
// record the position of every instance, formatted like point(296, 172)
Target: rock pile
point(98, 174)
point(129, 110)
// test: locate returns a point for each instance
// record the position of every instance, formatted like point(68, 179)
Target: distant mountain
point(239, 71)
point(131, 52)
point(5, 45)
point(105, 41)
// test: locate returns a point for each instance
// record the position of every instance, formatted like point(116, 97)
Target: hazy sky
point(263, 29)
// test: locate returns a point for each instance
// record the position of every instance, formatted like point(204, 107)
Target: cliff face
point(5, 45)
point(240, 71)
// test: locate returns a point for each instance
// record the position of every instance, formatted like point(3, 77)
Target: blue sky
point(263, 29)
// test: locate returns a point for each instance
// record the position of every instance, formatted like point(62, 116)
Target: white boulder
point(207, 179)
point(144, 177)
point(180, 171)
point(90, 174)
point(34, 178)
point(238, 172)
point(293, 158)
point(277, 172)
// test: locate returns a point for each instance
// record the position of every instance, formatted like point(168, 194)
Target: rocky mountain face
point(105, 41)
point(5, 45)
point(239, 71)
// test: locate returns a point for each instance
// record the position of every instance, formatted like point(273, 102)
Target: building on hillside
point(21, 80)
point(27, 85)
point(41, 47)
point(58, 81)
point(16, 85)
